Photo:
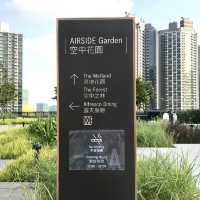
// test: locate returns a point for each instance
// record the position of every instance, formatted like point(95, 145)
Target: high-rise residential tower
point(199, 71)
point(11, 62)
point(151, 70)
point(138, 35)
point(179, 86)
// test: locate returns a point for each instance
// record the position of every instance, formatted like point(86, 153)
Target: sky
point(36, 20)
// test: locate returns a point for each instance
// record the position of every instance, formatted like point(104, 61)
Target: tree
point(144, 92)
point(55, 93)
point(7, 89)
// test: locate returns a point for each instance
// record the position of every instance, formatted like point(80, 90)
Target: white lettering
point(112, 40)
point(83, 40)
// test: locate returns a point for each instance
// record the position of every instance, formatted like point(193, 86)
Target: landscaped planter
point(184, 133)
point(190, 152)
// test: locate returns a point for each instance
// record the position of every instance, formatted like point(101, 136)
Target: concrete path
point(191, 152)
point(5, 127)
point(16, 191)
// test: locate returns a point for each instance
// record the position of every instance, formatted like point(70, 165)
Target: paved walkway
point(16, 191)
point(5, 127)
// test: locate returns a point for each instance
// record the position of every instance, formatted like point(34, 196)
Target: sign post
point(96, 109)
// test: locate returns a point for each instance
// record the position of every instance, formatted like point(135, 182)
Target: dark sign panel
point(96, 115)
point(97, 150)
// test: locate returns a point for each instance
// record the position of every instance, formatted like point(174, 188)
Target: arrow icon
point(72, 106)
point(74, 77)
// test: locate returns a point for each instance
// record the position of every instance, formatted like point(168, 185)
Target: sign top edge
point(96, 18)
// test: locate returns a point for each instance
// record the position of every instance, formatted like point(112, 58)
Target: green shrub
point(153, 134)
point(162, 178)
point(184, 134)
point(8, 115)
point(189, 116)
point(43, 131)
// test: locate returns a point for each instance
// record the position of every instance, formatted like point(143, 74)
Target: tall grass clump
point(153, 134)
point(14, 143)
point(43, 131)
point(162, 178)
point(45, 183)
point(26, 168)
point(19, 170)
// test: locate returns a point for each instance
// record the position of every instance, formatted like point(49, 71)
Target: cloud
point(75, 8)
point(40, 49)
point(43, 45)
point(40, 67)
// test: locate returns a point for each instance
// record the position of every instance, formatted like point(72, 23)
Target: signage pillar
point(96, 109)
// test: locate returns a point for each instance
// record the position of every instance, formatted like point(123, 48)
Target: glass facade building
point(151, 69)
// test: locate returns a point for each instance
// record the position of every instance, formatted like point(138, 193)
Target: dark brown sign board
point(96, 109)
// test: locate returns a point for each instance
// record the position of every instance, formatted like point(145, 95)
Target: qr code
point(87, 120)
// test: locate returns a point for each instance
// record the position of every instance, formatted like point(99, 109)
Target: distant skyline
point(36, 20)
point(160, 13)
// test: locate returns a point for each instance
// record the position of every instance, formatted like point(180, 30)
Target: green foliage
point(42, 172)
point(7, 89)
point(162, 178)
point(184, 134)
point(14, 143)
point(153, 134)
point(144, 92)
point(189, 116)
point(25, 168)
point(159, 178)
point(14, 149)
point(46, 179)
point(19, 170)
point(43, 130)
point(7, 115)
point(18, 120)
